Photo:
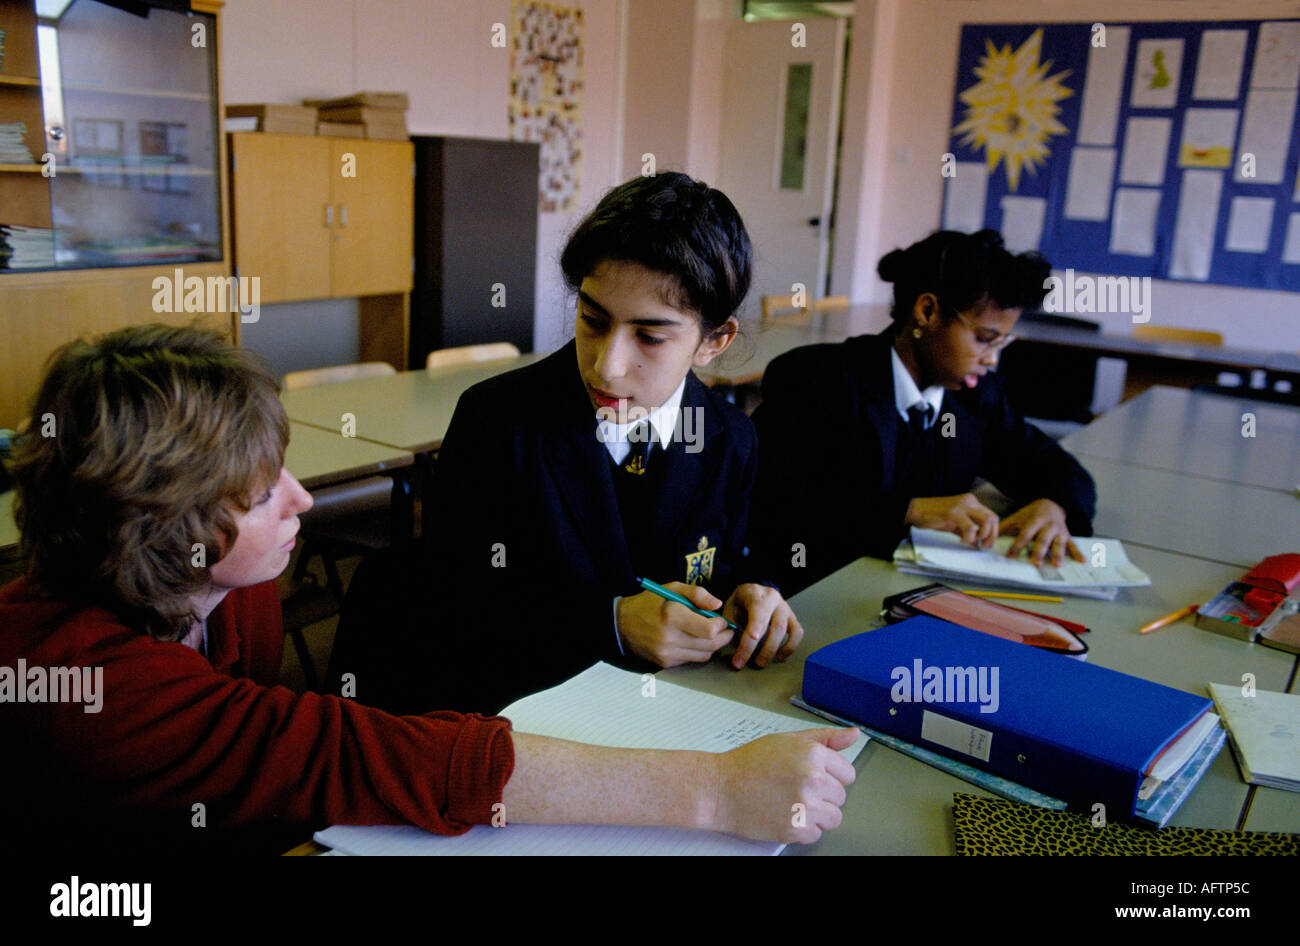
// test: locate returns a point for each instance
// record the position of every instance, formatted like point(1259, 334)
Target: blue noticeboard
point(1171, 151)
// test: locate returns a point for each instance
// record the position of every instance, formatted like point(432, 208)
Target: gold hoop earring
point(917, 333)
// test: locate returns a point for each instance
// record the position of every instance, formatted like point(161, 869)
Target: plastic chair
point(782, 309)
point(1167, 333)
point(336, 373)
point(465, 354)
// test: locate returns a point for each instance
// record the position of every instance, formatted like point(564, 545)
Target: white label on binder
point(958, 736)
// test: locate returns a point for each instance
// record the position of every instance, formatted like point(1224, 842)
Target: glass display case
point(109, 147)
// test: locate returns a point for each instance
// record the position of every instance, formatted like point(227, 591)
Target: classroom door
point(779, 128)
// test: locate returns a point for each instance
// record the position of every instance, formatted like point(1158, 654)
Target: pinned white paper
point(1146, 149)
point(1291, 249)
point(965, 196)
point(1198, 212)
point(1218, 64)
point(1156, 72)
point(1103, 89)
point(1133, 225)
point(1022, 222)
point(1250, 222)
point(1266, 133)
point(1087, 194)
point(1277, 56)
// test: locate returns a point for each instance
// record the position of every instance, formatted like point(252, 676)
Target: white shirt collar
point(906, 392)
point(663, 419)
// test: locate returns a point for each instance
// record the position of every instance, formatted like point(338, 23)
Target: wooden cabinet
point(319, 218)
point(127, 106)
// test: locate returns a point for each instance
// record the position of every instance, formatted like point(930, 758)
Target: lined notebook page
point(610, 707)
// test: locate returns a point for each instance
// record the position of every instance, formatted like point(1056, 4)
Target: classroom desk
point(319, 457)
point(410, 410)
point(1226, 522)
point(901, 806)
point(750, 354)
point(315, 457)
point(1198, 434)
point(1126, 346)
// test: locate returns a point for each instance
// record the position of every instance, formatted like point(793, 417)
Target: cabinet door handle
point(329, 215)
point(343, 215)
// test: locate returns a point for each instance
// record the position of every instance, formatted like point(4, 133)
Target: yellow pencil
point(1169, 619)
point(1012, 595)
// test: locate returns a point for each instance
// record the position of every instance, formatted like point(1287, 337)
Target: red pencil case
point(949, 604)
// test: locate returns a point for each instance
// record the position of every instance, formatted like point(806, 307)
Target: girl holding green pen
point(562, 483)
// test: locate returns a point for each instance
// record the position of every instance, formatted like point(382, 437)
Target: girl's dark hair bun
point(892, 265)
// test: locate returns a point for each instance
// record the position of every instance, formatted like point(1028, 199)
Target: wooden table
point(1199, 434)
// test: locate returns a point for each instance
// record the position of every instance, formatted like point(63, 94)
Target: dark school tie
point(918, 418)
point(641, 440)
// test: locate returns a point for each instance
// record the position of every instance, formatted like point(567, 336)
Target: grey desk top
point(316, 457)
point(1192, 515)
point(319, 457)
point(750, 354)
point(410, 410)
point(901, 806)
point(1114, 343)
point(1199, 434)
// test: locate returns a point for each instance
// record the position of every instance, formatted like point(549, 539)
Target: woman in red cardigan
point(155, 513)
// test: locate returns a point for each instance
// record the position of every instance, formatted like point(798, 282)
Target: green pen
point(663, 592)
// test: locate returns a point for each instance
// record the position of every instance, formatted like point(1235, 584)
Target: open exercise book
point(609, 707)
point(942, 554)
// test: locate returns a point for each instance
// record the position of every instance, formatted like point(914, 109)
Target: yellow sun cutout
point(1012, 110)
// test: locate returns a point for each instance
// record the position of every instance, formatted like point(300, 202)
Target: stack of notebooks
point(604, 706)
point(26, 247)
point(944, 555)
point(1264, 728)
point(271, 119)
point(380, 115)
point(13, 149)
point(1017, 720)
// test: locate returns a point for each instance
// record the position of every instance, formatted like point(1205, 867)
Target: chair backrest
point(1165, 333)
point(831, 304)
point(336, 373)
point(491, 351)
point(782, 309)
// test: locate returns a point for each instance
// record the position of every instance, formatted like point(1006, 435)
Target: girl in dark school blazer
point(844, 474)
point(544, 510)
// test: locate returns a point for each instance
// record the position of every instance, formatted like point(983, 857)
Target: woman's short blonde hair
point(139, 448)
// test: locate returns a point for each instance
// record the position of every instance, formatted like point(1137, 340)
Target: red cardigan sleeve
point(173, 731)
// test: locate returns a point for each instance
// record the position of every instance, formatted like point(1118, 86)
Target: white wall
point(901, 74)
point(439, 53)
